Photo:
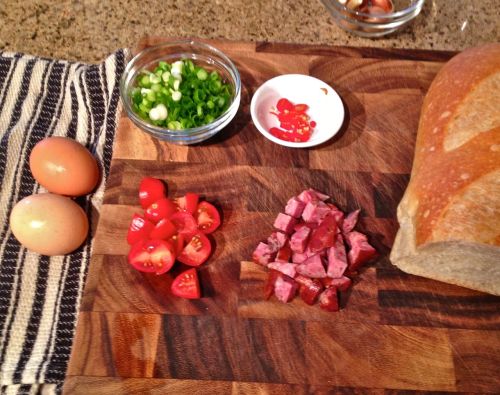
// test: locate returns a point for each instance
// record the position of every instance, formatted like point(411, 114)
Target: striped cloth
point(39, 295)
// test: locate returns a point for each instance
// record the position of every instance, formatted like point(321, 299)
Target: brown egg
point(49, 224)
point(64, 166)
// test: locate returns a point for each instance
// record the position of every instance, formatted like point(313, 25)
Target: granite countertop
point(88, 30)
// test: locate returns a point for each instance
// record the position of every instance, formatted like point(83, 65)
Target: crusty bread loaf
point(450, 213)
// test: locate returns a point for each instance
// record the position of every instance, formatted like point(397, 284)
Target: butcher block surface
point(394, 332)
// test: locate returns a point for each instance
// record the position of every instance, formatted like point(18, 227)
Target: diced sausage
point(337, 214)
point(321, 196)
point(311, 195)
point(315, 212)
point(328, 299)
point(276, 241)
point(361, 251)
point(298, 241)
point(284, 223)
point(285, 288)
point(284, 253)
point(342, 284)
point(294, 207)
point(310, 225)
point(312, 267)
point(337, 259)
point(290, 269)
point(263, 254)
point(324, 236)
point(350, 221)
point(269, 285)
point(309, 289)
point(299, 258)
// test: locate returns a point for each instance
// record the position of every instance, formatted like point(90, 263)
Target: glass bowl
point(201, 54)
point(374, 25)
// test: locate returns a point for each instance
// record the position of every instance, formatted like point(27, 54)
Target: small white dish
point(325, 107)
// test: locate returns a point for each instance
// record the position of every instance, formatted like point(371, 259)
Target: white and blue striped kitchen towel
point(39, 295)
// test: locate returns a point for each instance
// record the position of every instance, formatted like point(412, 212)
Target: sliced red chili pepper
point(281, 134)
point(300, 108)
point(294, 122)
point(284, 104)
point(287, 118)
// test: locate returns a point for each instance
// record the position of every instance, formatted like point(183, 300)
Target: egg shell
point(64, 166)
point(49, 224)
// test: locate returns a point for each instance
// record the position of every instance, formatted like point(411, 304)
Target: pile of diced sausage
point(314, 251)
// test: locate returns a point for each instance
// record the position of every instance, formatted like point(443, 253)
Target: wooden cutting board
point(395, 331)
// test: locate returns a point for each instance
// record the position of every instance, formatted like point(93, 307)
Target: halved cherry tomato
point(177, 242)
point(150, 190)
point(187, 203)
point(164, 229)
point(140, 229)
point(162, 208)
point(284, 104)
point(207, 217)
point(185, 223)
point(196, 251)
point(152, 256)
point(186, 285)
point(140, 258)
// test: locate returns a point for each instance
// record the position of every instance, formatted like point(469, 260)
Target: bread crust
point(450, 213)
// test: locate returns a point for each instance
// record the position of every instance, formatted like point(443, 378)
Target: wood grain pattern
point(382, 356)
point(395, 333)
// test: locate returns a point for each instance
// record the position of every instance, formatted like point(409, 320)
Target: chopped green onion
point(176, 96)
point(180, 95)
point(154, 79)
point(145, 82)
point(151, 96)
point(156, 87)
point(165, 76)
point(202, 74)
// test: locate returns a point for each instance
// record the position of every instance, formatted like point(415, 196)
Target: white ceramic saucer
point(325, 107)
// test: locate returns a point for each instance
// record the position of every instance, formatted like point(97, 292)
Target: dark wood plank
point(379, 356)
point(312, 50)
point(354, 52)
point(210, 348)
point(84, 385)
point(411, 300)
point(388, 189)
point(117, 345)
point(374, 75)
point(476, 358)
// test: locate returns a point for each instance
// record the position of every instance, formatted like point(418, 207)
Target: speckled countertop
point(88, 30)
